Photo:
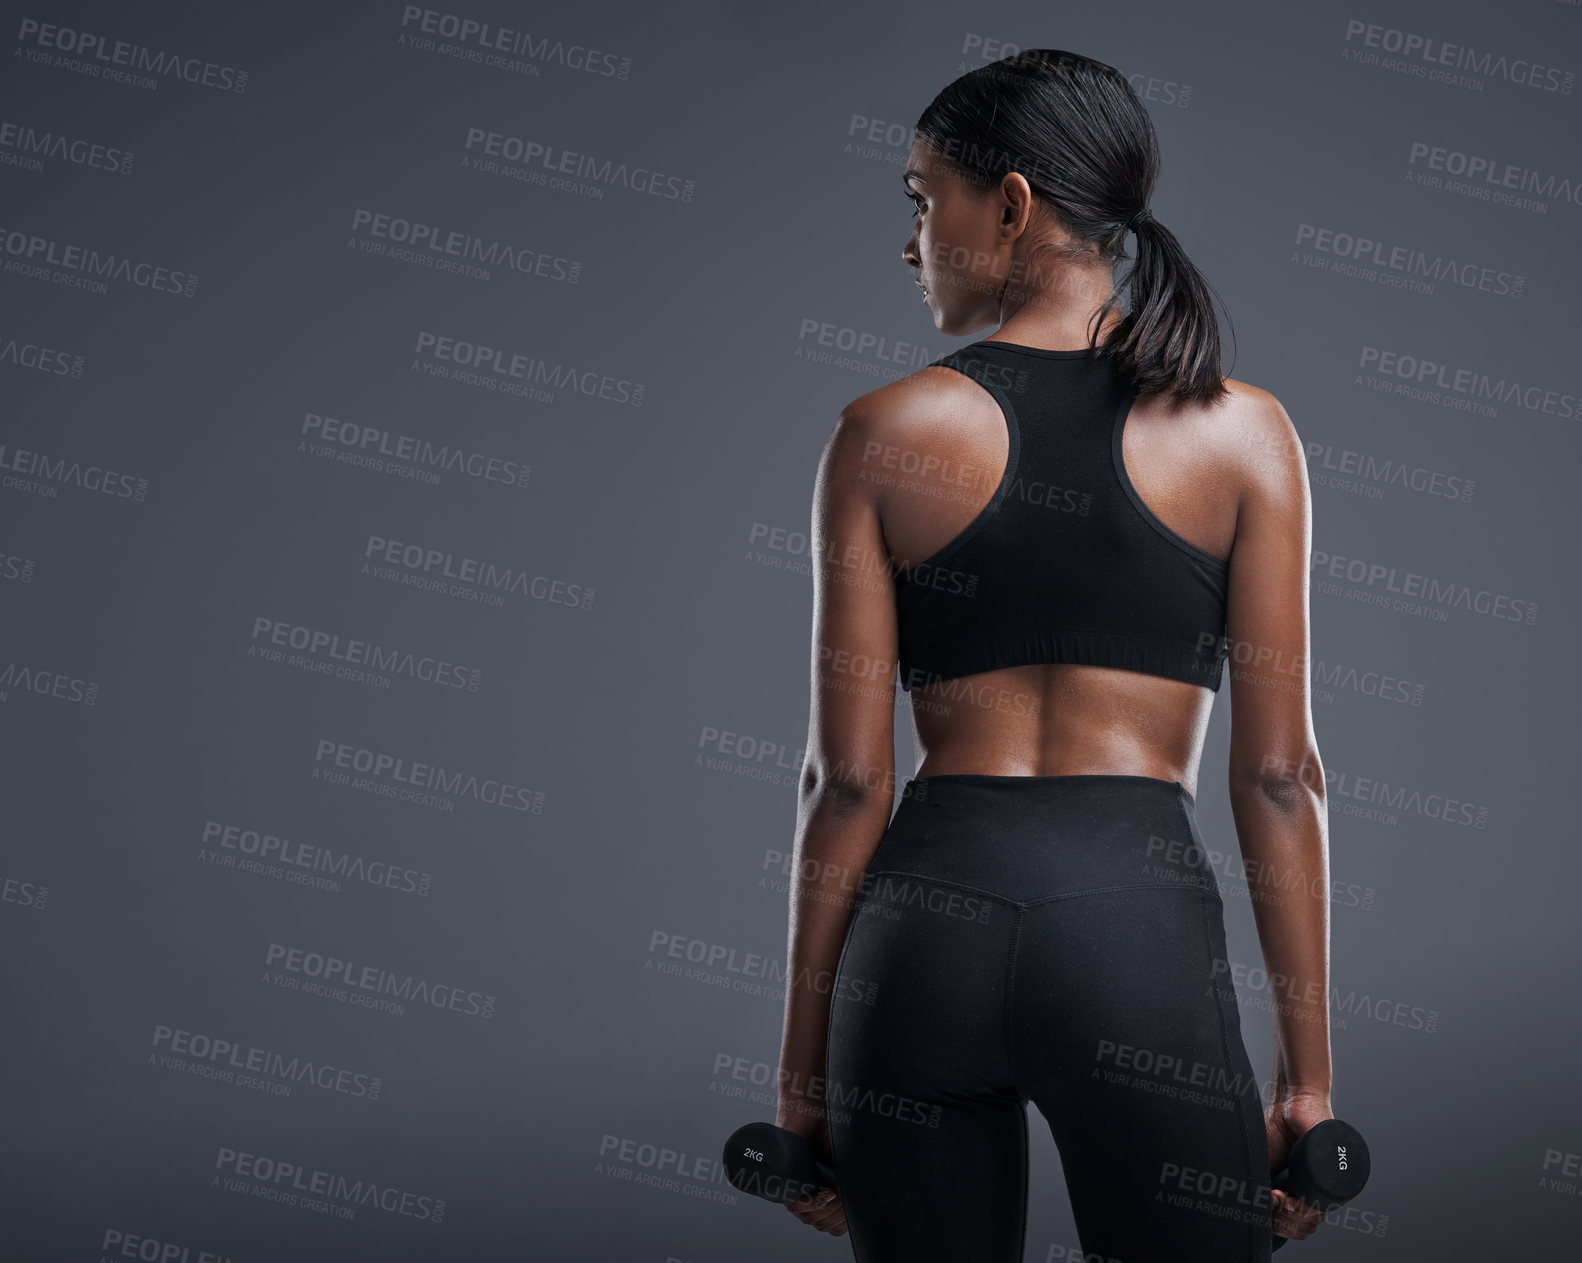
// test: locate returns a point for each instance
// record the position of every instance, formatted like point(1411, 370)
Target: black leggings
point(1060, 940)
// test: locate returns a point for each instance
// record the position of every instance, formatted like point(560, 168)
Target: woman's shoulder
point(930, 389)
point(1255, 401)
point(926, 404)
point(926, 417)
point(1256, 424)
point(1246, 427)
point(1248, 438)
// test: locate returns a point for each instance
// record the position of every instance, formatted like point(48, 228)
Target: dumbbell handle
point(1327, 1167)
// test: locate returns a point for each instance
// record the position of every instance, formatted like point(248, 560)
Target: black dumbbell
point(1327, 1167)
point(774, 1164)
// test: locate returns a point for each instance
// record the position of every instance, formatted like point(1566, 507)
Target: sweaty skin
point(1229, 477)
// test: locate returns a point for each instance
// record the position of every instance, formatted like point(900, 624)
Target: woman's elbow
point(842, 788)
point(1283, 777)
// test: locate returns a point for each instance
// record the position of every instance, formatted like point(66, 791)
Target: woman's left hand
point(1286, 1117)
point(821, 1209)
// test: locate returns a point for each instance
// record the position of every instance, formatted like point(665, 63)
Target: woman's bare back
point(948, 438)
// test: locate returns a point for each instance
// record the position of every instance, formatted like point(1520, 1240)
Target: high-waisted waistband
point(1026, 839)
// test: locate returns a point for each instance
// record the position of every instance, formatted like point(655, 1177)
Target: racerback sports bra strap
point(1065, 563)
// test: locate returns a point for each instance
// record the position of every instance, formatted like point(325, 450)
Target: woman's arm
point(847, 787)
point(1276, 778)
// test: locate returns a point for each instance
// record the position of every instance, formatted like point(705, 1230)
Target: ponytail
point(1170, 341)
point(1075, 129)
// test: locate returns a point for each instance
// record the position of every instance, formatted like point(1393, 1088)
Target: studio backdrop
point(408, 422)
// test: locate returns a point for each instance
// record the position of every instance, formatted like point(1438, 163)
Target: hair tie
point(1136, 219)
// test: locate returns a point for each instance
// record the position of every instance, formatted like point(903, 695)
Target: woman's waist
point(1056, 788)
point(1025, 838)
point(1060, 718)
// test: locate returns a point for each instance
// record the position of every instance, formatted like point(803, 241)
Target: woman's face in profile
point(955, 246)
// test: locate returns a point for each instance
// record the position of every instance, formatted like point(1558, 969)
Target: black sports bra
point(1065, 563)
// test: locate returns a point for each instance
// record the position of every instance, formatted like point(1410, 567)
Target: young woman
point(1059, 534)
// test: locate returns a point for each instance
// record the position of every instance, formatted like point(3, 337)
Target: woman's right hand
point(1287, 1117)
point(821, 1209)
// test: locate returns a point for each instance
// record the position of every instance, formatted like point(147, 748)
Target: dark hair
point(1076, 131)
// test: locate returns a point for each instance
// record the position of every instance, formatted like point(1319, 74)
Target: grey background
point(699, 623)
